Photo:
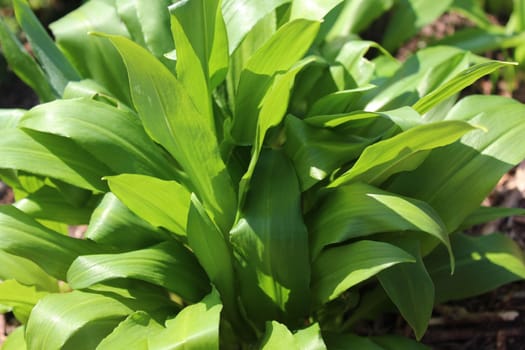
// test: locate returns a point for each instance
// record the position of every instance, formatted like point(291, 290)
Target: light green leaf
point(9, 118)
point(19, 298)
point(114, 136)
point(53, 252)
point(161, 203)
point(195, 327)
point(383, 159)
point(15, 340)
point(75, 320)
point(24, 65)
point(26, 272)
point(112, 223)
point(340, 268)
point(94, 57)
point(132, 333)
point(410, 288)
point(171, 118)
point(482, 264)
point(278, 336)
point(359, 210)
point(58, 69)
point(310, 338)
point(53, 156)
point(202, 50)
point(278, 54)
point(240, 16)
point(154, 21)
point(456, 84)
point(312, 9)
point(169, 265)
point(271, 242)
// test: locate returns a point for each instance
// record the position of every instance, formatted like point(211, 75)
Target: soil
point(495, 320)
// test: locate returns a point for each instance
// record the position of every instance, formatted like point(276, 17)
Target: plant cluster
point(248, 178)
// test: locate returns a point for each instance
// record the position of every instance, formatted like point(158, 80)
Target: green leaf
point(202, 50)
point(15, 340)
point(154, 22)
point(458, 83)
point(195, 327)
point(317, 152)
point(359, 210)
point(395, 342)
point(112, 223)
point(48, 203)
point(75, 320)
point(171, 118)
point(383, 159)
point(26, 272)
point(167, 264)
point(215, 255)
point(19, 298)
point(161, 203)
point(94, 57)
point(310, 338)
point(271, 242)
point(241, 16)
point(456, 190)
point(277, 336)
point(278, 54)
point(24, 65)
point(411, 289)
point(132, 333)
point(9, 118)
point(408, 17)
point(53, 156)
point(58, 69)
point(487, 214)
point(498, 257)
point(53, 252)
point(349, 341)
point(312, 9)
point(340, 268)
point(115, 137)
point(356, 16)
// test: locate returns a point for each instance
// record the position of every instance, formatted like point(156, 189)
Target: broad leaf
point(202, 50)
point(114, 136)
point(75, 320)
point(15, 340)
point(340, 268)
point(215, 255)
point(310, 338)
point(19, 298)
point(132, 333)
point(399, 153)
point(456, 190)
point(271, 242)
point(171, 118)
point(277, 336)
point(410, 288)
point(312, 9)
point(53, 252)
point(26, 272)
point(482, 264)
point(195, 327)
point(112, 223)
point(161, 203)
point(278, 54)
point(53, 156)
point(167, 264)
point(359, 210)
point(487, 214)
